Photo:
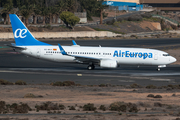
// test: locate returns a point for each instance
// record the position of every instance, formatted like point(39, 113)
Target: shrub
point(118, 106)
point(133, 108)
point(102, 107)
point(111, 22)
point(157, 104)
point(146, 15)
point(13, 106)
point(61, 107)
point(120, 19)
point(65, 83)
point(174, 86)
point(135, 18)
point(22, 108)
point(20, 82)
point(72, 108)
point(123, 107)
point(151, 87)
point(48, 106)
point(29, 95)
point(57, 84)
point(68, 83)
point(89, 107)
point(150, 95)
point(2, 106)
point(135, 86)
point(48, 26)
point(5, 82)
point(133, 35)
point(174, 27)
point(158, 96)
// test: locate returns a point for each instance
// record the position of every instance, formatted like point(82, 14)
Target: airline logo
point(20, 33)
point(129, 54)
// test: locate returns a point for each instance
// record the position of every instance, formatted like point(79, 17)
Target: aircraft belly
point(134, 61)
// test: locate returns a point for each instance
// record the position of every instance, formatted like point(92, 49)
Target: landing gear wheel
point(158, 69)
point(91, 67)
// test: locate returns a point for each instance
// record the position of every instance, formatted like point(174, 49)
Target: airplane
point(105, 57)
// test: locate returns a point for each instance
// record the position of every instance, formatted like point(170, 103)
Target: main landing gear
point(91, 67)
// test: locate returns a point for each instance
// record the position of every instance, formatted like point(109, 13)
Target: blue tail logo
point(22, 35)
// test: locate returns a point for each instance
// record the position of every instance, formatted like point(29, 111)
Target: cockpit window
point(166, 55)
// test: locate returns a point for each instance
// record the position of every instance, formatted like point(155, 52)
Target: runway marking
point(162, 80)
point(79, 74)
point(126, 81)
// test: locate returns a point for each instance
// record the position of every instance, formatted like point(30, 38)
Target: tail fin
point(22, 35)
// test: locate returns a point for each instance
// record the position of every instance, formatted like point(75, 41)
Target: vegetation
point(123, 107)
point(50, 106)
point(5, 82)
point(20, 82)
point(29, 95)
point(102, 107)
point(14, 108)
point(65, 83)
point(50, 9)
point(89, 107)
point(69, 19)
point(7, 9)
point(72, 108)
point(150, 95)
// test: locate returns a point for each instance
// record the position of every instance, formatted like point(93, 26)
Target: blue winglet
point(62, 50)
point(74, 43)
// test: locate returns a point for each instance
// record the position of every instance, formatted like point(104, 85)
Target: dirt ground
point(165, 108)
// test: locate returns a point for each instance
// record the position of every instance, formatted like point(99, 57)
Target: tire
point(90, 67)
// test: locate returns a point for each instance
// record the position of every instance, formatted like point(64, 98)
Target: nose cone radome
point(173, 59)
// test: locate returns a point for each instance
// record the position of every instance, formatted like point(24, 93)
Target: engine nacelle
point(108, 64)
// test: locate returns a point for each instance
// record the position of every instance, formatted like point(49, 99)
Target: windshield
point(166, 55)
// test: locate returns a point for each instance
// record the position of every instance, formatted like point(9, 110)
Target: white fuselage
point(131, 56)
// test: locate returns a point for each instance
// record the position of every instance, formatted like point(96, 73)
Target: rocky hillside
point(134, 24)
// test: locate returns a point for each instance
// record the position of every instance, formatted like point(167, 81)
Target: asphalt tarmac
point(15, 66)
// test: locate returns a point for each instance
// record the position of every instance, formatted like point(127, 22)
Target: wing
point(81, 59)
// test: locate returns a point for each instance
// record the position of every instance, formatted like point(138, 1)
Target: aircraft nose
point(173, 59)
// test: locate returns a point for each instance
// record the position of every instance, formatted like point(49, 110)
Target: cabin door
point(156, 56)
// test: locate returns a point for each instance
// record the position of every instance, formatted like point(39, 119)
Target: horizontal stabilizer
point(16, 47)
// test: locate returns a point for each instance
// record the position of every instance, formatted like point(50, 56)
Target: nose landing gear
point(158, 69)
point(160, 66)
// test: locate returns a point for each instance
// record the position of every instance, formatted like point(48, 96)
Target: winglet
point(62, 50)
point(74, 43)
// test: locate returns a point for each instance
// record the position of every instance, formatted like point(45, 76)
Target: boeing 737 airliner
point(105, 57)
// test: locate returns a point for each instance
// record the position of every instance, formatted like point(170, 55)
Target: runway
point(14, 66)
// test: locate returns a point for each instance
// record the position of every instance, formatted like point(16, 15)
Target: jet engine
point(108, 64)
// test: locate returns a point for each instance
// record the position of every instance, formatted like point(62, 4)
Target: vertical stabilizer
point(22, 35)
